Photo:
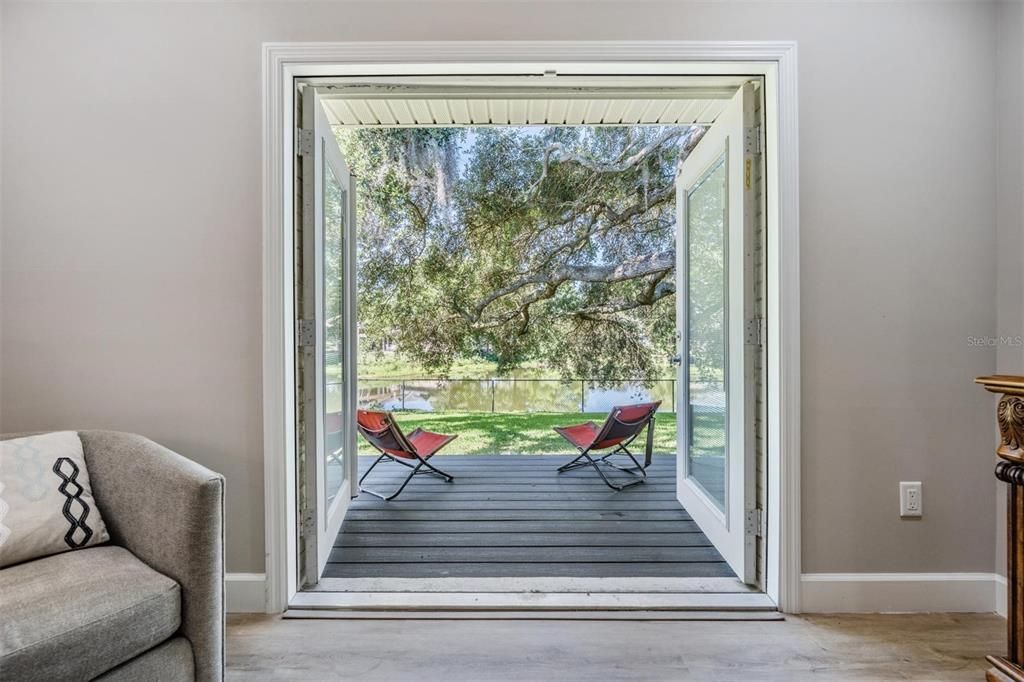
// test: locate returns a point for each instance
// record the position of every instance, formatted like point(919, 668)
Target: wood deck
point(514, 516)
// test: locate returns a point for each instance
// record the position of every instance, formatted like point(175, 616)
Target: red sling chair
point(382, 432)
point(620, 429)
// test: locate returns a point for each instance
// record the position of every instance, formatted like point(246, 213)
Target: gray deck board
point(515, 516)
point(589, 526)
point(711, 569)
point(545, 502)
point(683, 539)
point(548, 473)
point(554, 515)
point(559, 555)
point(554, 489)
point(519, 480)
point(412, 495)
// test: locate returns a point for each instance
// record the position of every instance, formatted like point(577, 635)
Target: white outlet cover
point(911, 503)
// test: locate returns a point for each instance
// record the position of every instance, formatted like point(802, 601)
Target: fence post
point(583, 393)
point(673, 395)
point(492, 395)
point(403, 394)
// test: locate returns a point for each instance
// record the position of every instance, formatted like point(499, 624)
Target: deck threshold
point(322, 614)
point(533, 584)
point(532, 602)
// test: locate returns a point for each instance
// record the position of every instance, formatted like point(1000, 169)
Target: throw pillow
point(46, 502)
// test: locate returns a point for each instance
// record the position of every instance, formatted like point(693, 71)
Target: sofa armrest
point(169, 512)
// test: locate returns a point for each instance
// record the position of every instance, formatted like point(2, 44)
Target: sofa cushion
point(171, 661)
point(79, 614)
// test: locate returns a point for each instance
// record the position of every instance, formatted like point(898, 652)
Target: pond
point(507, 395)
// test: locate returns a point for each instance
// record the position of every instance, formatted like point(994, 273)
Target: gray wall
point(131, 237)
point(1009, 212)
point(1010, 181)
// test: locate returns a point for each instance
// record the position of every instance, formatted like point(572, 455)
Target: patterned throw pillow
point(46, 503)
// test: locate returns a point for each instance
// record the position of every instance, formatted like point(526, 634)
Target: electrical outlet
point(910, 498)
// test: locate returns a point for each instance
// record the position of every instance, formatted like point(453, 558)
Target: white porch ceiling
point(568, 103)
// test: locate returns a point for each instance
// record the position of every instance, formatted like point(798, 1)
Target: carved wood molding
point(1010, 469)
point(1009, 414)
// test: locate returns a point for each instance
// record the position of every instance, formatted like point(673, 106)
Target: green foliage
point(502, 243)
point(707, 253)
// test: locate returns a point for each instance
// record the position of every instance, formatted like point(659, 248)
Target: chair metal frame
point(391, 428)
point(638, 471)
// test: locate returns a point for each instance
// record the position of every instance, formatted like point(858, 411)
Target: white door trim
point(776, 61)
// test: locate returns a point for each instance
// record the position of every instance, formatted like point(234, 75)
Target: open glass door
point(326, 334)
point(714, 310)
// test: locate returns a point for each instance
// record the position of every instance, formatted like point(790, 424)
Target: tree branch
point(656, 290)
point(556, 153)
point(634, 268)
point(613, 218)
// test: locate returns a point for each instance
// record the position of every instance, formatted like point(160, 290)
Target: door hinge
point(754, 331)
point(305, 141)
point(752, 140)
point(755, 522)
point(305, 332)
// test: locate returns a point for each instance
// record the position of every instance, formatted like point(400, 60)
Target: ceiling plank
point(402, 111)
point(460, 111)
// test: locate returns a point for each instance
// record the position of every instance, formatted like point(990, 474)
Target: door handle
point(675, 360)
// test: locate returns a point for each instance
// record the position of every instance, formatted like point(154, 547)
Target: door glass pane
point(707, 221)
point(335, 201)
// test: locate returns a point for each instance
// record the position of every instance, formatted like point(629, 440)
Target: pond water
point(507, 395)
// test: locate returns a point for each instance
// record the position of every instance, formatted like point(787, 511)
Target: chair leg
point(585, 455)
point(383, 496)
point(575, 464)
point(436, 472)
point(416, 470)
point(375, 463)
point(637, 469)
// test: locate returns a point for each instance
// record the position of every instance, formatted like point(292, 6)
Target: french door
point(718, 334)
point(324, 332)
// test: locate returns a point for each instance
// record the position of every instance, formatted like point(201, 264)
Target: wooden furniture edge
point(1010, 470)
point(1002, 383)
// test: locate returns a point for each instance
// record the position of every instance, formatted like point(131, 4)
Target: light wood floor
point(861, 647)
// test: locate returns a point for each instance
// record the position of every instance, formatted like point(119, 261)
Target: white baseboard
point(1001, 596)
point(902, 593)
point(245, 592)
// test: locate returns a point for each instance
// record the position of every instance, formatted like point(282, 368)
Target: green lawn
point(526, 434)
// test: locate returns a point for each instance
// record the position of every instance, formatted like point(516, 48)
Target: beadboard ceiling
point(518, 103)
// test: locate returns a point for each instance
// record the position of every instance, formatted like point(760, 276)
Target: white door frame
point(775, 61)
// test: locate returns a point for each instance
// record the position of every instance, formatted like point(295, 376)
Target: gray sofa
point(149, 605)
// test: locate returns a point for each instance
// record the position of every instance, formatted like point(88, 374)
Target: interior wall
point(1009, 215)
point(131, 236)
